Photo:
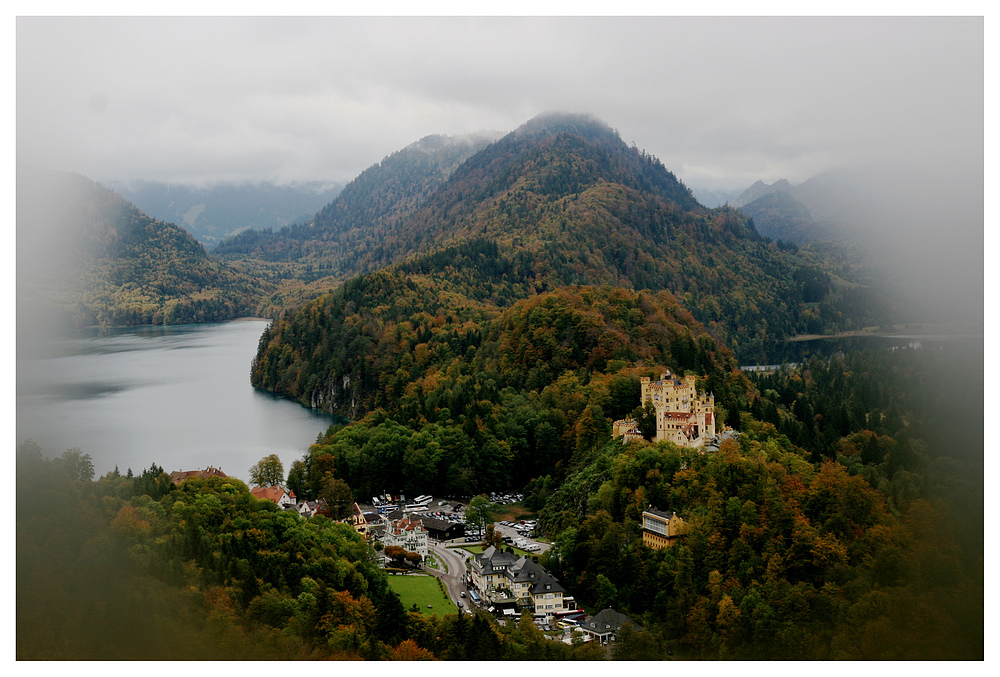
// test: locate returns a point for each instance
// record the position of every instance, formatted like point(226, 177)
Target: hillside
point(824, 207)
point(456, 397)
point(523, 307)
point(779, 216)
point(212, 213)
point(85, 256)
point(382, 195)
point(563, 201)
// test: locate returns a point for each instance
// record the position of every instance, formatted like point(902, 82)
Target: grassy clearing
point(422, 590)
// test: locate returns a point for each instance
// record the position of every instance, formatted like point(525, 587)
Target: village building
point(520, 583)
point(661, 529)
point(607, 625)
point(441, 530)
point(309, 509)
point(408, 534)
point(358, 521)
point(277, 495)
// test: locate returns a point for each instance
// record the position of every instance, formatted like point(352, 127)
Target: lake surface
point(795, 352)
point(176, 396)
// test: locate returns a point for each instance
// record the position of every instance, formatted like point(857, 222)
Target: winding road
point(454, 560)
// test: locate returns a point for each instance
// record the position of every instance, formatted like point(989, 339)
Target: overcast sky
point(721, 101)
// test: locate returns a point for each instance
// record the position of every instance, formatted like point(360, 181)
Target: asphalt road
point(455, 561)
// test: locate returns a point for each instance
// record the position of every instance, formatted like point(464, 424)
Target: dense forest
point(870, 548)
point(451, 406)
point(866, 547)
point(135, 568)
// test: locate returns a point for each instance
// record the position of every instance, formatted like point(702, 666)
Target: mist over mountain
point(374, 201)
point(918, 227)
point(212, 213)
point(827, 206)
point(86, 256)
point(780, 216)
point(714, 197)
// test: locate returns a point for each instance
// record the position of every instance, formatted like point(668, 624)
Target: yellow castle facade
point(682, 415)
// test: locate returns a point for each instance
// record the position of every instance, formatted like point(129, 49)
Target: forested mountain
point(510, 332)
point(87, 257)
point(214, 212)
point(372, 203)
point(488, 313)
point(457, 400)
point(824, 207)
point(563, 201)
point(780, 216)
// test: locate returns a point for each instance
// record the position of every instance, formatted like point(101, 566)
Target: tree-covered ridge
point(868, 547)
point(199, 570)
point(459, 402)
point(85, 252)
point(360, 347)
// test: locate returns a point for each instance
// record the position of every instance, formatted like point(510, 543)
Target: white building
point(408, 534)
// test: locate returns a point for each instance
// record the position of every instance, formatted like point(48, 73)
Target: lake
point(797, 351)
point(176, 396)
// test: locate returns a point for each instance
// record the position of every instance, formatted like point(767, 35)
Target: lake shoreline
point(927, 331)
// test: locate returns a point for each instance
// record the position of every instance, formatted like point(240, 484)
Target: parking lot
point(520, 534)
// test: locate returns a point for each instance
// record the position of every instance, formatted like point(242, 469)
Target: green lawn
point(422, 590)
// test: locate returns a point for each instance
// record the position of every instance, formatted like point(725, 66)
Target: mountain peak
point(555, 122)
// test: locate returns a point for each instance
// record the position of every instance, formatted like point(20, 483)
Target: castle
point(682, 416)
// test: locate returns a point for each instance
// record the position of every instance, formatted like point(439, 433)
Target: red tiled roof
point(270, 493)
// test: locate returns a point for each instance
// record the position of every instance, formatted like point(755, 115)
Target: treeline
point(135, 568)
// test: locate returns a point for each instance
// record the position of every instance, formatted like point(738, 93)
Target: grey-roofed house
point(546, 593)
point(503, 577)
point(606, 625)
point(489, 569)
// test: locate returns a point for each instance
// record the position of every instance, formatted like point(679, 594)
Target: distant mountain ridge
point(759, 189)
point(86, 256)
point(823, 207)
point(212, 213)
point(379, 197)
